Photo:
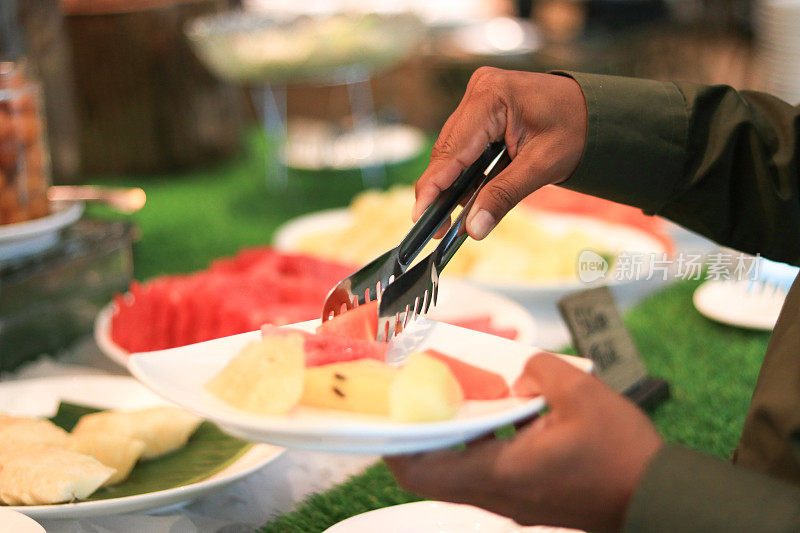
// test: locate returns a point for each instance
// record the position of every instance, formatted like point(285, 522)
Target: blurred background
point(143, 138)
point(153, 85)
point(173, 171)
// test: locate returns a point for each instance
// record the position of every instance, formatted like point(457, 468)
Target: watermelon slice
point(483, 323)
point(234, 295)
point(360, 323)
point(477, 383)
point(327, 349)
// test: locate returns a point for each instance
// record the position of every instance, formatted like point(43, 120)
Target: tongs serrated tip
point(383, 273)
point(411, 294)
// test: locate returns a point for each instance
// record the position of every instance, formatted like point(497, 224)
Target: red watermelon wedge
point(360, 322)
point(326, 349)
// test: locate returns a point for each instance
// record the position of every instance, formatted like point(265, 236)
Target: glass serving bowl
point(249, 47)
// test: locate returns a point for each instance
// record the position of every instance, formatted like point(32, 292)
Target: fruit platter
point(331, 387)
point(265, 286)
point(531, 255)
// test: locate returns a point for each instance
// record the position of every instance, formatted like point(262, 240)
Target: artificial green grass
point(193, 218)
point(373, 489)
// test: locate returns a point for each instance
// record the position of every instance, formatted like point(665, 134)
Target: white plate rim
point(521, 319)
point(287, 234)
point(252, 460)
point(258, 426)
point(67, 212)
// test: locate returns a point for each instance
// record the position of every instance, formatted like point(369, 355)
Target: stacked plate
point(778, 34)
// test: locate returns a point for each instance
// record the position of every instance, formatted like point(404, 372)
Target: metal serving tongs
point(411, 294)
point(371, 281)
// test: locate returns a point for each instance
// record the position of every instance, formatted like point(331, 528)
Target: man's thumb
point(557, 380)
point(496, 199)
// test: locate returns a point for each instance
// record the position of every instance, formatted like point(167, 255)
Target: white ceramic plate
point(457, 300)
point(435, 517)
point(40, 397)
point(740, 303)
point(25, 238)
point(615, 237)
point(180, 374)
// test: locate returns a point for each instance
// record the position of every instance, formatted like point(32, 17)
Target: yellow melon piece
point(361, 386)
point(119, 452)
point(424, 390)
point(266, 377)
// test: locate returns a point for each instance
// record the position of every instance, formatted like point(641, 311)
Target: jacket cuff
point(635, 141)
point(683, 490)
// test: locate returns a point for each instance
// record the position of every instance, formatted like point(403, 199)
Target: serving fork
point(369, 283)
point(412, 293)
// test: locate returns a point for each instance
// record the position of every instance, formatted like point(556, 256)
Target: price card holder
point(598, 333)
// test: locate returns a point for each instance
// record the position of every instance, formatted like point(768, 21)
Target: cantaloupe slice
point(361, 386)
point(266, 377)
point(424, 390)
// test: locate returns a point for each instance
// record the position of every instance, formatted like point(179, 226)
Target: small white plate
point(33, 236)
point(40, 397)
point(456, 301)
point(740, 303)
point(435, 517)
point(179, 375)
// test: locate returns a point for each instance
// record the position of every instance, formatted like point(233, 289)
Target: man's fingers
point(496, 199)
point(445, 474)
point(479, 119)
point(562, 384)
point(448, 158)
point(535, 165)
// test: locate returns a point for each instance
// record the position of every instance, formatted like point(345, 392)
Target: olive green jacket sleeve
point(685, 491)
point(721, 162)
point(725, 164)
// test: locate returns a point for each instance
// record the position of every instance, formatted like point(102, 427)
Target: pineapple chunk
point(362, 386)
point(162, 429)
point(425, 390)
point(266, 377)
point(119, 452)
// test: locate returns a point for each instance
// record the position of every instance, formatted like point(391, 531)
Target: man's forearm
point(721, 162)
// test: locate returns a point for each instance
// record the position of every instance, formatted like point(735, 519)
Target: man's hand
point(576, 466)
point(542, 119)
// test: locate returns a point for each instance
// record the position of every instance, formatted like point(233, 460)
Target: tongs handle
point(457, 233)
point(436, 213)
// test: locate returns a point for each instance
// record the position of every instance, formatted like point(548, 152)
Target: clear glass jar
point(24, 158)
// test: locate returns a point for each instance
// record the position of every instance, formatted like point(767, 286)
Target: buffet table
point(193, 218)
